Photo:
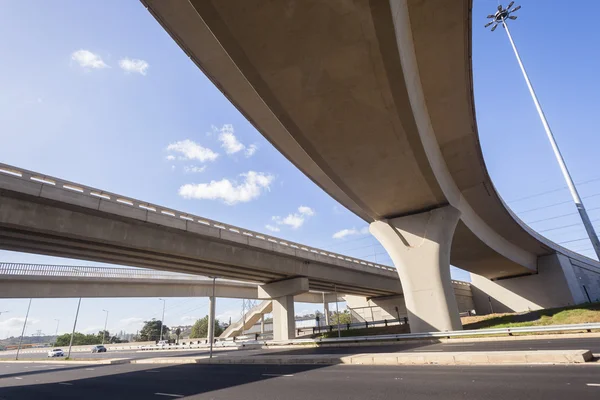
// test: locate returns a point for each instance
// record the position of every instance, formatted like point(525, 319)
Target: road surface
point(583, 343)
point(28, 381)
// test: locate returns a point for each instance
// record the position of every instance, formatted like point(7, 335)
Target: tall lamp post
point(105, 322)
point(56, 332)
point(162, 323)
point(500, 17)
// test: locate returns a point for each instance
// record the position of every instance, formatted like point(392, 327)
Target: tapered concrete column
point(262, 323)
point(284, 323)
point(419, 246)
point(326, 307)
point(211, 319)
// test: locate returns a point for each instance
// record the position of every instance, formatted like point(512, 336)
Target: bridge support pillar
point(211, 319)
point(284, 323)
point(262, 323)
point(326, 311)
point(419, 246)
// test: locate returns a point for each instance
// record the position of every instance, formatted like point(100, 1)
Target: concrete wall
point(560, 281)
point(381, 308)
point(588, 277)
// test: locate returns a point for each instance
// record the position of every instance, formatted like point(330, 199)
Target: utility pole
point(162, 323)
point(500, 17)
point(74, 325)
point(337, 310)
point(56, 332)
point(105, 322)
point(23, 331)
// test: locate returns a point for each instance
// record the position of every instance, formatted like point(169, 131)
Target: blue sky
point(98, 93)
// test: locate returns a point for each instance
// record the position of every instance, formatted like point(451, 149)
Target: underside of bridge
point(373, 100)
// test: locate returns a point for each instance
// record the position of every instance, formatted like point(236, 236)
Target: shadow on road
point(179, 381)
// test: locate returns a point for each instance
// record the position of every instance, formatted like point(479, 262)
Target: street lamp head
point(500, 16)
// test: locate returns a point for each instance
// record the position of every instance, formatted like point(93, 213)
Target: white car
point(56, 353)
point(162, 343)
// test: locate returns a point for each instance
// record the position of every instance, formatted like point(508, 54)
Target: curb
point(448, 358)
point(112, 361)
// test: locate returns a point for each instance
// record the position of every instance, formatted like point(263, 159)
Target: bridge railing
point(91, 272)
point(76, 189)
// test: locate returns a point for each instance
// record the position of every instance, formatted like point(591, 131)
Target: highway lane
point(112, 354)
point(585, 343)
point(265, 382)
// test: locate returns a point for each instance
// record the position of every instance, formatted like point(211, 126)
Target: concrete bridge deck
point(48, 215)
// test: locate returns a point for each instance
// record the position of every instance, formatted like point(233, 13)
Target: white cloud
point(134, 65)
point(131, 321)
point(306, 211)
point(92, 329)
point(170, 157)
point(17, 322)
point(173, 168)
point(233, 314)
point(230, 192)
point(272, 228)
point(87, 59)
point(350, 232)
point(295, 220)
point(231, 144)
point(194, 169)
point(192, 151)
point(250, 150)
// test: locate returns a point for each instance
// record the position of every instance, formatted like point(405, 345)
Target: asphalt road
point(253, 382)
point(592, 344)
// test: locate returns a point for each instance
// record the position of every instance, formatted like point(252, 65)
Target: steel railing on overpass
point(232, 232)
point(92, 272)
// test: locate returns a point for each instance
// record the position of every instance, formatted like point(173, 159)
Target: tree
point(344, 318)
point(106, 335)
point(79, 339)
point(177, 333)
point(200, 328)
point(151, 330)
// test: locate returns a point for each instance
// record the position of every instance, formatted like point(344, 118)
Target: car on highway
point(162, 343)
point(56, 353)
point(99, 349)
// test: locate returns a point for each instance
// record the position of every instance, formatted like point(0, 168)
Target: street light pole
point(162, 323)
point(500, 17)
point(74, 325)
point(105, 322)
point(337, 310)
point(56, 332)
point(23, 331)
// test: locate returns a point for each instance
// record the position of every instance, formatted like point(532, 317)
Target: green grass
point(580, 314)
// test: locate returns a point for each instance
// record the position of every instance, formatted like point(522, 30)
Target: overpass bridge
point(47, 215)
point(373, 100)
point(65, 281)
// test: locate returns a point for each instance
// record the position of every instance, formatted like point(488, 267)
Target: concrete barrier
point(446, 358)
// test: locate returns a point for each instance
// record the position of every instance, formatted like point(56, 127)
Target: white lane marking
point(168, 394)
point(18, 377)
point(593, 384)
point(275, 375)
point(65, 383)
point(459, 344)
point(89, 369)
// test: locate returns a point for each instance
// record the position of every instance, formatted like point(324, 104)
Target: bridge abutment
point(419, 246)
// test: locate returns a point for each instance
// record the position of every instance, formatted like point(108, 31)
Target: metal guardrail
point(104, 196)
point(92, 272)
point(472, 332)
